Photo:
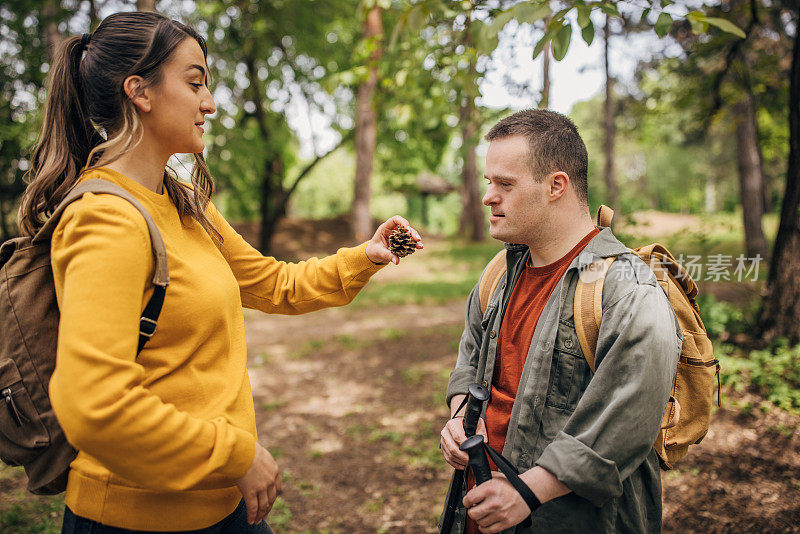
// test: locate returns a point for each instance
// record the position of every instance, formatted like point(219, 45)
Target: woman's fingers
point(251, 503)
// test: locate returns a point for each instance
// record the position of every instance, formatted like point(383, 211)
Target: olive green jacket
point(594, 432)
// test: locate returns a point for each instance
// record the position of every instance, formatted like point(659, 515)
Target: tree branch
point(305, 172)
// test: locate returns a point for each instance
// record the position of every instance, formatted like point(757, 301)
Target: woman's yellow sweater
point(164, 437)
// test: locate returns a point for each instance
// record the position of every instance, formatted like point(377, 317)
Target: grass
point(23, 513)
point(306, 349)
point(280, 516)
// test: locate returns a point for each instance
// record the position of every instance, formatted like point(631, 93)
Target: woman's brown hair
point(89, 121)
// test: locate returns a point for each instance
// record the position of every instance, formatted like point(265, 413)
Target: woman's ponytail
point(85, 96)
point(65, 142)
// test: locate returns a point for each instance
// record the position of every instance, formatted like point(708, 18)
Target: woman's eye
point(197, 85)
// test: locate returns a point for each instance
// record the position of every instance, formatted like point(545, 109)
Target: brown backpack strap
point(491, 276)
point(588, 306)
point(604, 216)
point(96, 185)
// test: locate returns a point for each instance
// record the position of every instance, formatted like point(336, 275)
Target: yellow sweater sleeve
point(274, 286)
point(101, 261)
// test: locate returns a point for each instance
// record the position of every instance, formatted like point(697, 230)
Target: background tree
point(366, 123)
point(269, 58)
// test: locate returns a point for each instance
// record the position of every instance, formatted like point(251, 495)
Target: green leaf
point(416, 18)
point(666, 3)
point(698, 27)
point(698, 22)
point(588, 34)
point(583, 16)
point(501, 20)
point(663, 24)
point(610, 9)
point(559, 15)
point(726, 26)
point(645, 13)
point(543, 41)
point(485, 39)
point(561, 42)
point(530, 11)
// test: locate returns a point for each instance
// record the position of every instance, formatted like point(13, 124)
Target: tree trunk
point(751, 180)
point(544, 102)
point(145, 5)
point(5, 232)
point(270, 202)
point(780, 311)
point(94, 19)
point(52, 35)
point(366, 134)
point(610, 131)
point(473, 222)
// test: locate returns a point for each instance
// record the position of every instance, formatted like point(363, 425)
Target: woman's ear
point(136, 90)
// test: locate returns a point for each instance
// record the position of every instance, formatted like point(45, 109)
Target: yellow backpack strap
point(604, 216)
point(588, 306)
point(491, 276)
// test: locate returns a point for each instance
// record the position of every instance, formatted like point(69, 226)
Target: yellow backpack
point(688, 411)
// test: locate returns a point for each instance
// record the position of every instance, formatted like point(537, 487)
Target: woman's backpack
point(29, 431)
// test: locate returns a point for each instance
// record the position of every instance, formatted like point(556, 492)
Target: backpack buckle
point(147, 327)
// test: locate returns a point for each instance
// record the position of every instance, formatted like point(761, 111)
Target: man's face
point(516, 201)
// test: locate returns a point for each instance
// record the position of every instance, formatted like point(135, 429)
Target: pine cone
point(401, 243)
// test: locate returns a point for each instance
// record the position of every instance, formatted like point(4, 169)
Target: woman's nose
point(208, 106)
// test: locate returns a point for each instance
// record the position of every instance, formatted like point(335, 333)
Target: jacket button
point(485, 384)
point(492, 334)
point(568, 343)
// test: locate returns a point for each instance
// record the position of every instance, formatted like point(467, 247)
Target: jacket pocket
point(22, 432)
point(569, 371)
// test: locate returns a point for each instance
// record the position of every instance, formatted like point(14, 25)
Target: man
point(582, 441)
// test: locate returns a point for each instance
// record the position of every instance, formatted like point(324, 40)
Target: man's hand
point(495, 505)
point(260, 486)
point(452, 436)
point(378, 247)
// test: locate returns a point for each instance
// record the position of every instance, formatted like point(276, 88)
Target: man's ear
point(136, 90)
point(558, 183)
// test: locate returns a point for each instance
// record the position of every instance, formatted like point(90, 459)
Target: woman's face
point(180, 101)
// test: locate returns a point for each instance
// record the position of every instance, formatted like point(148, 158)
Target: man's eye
point(198, 85)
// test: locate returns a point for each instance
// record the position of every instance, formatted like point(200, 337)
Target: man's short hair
point(554, 145)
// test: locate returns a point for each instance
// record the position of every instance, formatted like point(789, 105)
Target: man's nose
point(490, 197)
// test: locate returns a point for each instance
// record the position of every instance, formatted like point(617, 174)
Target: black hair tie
point(85, 39)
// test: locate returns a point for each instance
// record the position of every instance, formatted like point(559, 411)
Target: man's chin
point(496, 233)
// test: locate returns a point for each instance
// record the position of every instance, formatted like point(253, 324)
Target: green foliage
point(773, 373)
point(721, 317)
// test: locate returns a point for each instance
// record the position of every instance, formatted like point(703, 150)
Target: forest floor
point(350, 401)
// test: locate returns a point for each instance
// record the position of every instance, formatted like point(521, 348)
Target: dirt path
point(351, 402)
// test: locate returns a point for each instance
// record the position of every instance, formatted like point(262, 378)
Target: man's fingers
point(494, 528)
point(452, 434)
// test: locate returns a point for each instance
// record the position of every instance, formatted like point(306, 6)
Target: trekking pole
point(477, 396)
point(478, 461)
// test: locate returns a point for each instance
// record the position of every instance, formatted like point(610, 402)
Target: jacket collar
point(603, 245)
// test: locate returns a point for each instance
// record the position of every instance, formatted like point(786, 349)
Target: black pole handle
point(477, 459)
point(477, 396)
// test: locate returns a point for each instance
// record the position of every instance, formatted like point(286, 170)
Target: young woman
point(167, 440)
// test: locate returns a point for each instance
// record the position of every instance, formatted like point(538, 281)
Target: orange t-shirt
point(530, 294)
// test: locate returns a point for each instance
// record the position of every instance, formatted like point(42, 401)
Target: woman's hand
point(378, 247)
point(260, 486)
